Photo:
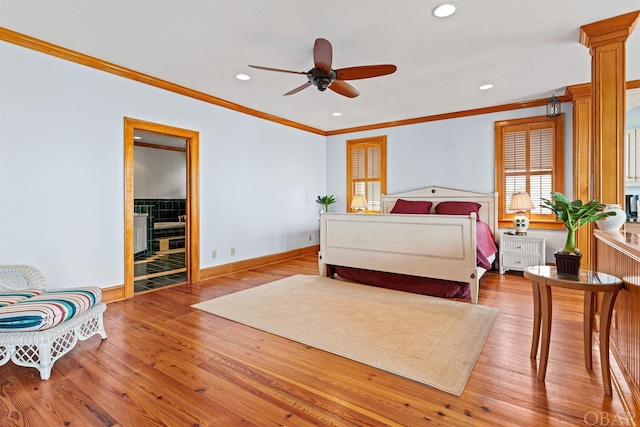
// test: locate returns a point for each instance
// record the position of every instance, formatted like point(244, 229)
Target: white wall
point(61, 169)
point(62, 176)
point(454, 153)
point(159, 174)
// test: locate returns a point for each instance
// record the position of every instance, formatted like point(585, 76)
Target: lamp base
point(521, 223)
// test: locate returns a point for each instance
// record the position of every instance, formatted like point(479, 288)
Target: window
point(367, 170)
point(529, 157)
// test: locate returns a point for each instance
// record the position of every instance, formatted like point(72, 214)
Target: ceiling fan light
point(444, 10)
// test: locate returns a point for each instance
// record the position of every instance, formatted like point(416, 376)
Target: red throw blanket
point(485, 245)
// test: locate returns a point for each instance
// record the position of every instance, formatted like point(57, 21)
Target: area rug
point(430, 340)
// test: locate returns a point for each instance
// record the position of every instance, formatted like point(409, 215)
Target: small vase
point(612, 223)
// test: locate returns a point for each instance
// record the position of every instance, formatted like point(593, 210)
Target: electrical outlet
point(233, 251)
point(214, 254)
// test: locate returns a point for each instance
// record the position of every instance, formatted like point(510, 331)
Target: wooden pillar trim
point(584, 90)
point(607, 31)
point(606, 42)
point(582, 161)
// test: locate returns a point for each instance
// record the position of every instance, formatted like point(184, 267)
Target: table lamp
point(359, 203)
point(521, 202)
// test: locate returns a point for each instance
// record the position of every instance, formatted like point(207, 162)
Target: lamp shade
point(359, 202)
point(520, 202)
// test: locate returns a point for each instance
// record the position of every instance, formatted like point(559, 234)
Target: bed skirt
point(404, 282)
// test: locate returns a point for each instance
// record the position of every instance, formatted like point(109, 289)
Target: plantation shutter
point(515, 162)
point(529, 158)
point(366, 171)
point(540, 167)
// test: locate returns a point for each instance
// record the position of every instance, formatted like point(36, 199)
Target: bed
point(447, 245)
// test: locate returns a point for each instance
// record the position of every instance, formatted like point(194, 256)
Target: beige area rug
point(430, 340)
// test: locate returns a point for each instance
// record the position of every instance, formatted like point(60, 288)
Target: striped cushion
point(12, 297)
point(48, 309)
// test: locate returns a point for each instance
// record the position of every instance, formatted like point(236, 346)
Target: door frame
point(192, 226)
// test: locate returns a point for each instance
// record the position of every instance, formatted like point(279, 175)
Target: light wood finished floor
point(167, 364)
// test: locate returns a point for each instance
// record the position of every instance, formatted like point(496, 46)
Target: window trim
point(380, 140)
point(536, 221)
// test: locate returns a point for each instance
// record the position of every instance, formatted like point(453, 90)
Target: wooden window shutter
point(529, 157)
point(366, 170)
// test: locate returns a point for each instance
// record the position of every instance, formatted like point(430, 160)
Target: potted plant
point(326, 201)
point(573, 215)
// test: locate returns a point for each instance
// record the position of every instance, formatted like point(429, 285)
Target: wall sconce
point(359, 203)
point(553, 105)
point(521, 202)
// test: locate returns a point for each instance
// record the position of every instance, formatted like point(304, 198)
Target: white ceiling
point(525, 48)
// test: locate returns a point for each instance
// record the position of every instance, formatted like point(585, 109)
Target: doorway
point(191, 203)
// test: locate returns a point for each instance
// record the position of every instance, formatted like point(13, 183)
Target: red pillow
point(458, 208)
point(411, 207)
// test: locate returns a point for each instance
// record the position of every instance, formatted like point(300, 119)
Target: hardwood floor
point(167, 364)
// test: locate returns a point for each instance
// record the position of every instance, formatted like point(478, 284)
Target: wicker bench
point(37, 327)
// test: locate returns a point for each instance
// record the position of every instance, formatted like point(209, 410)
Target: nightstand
point(520, 252)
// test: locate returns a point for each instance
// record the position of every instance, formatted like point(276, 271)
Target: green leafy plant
point(574, 215)
point(326, 201)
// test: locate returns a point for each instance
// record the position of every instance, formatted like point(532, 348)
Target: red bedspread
point(486, 248)
point(485, 245)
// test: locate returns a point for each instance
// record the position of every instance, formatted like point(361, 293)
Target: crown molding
point(42, 46)
point(609, 30)
point(446, 116)
point(32, 43)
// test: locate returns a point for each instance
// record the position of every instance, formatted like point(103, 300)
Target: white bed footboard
point(436, 246)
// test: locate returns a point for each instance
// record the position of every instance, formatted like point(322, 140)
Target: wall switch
point(214, 254)
point(233, 251)
point(310, 238)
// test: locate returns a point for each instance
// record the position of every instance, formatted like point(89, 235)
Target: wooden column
point(606, 42)
point(582, 161)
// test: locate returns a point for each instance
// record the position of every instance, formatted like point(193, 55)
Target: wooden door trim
point(192, 228)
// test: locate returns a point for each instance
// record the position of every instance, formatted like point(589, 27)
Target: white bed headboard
point(488, 201)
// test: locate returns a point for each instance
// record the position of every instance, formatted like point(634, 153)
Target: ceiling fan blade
point(344, 88)
point(323, 55)
point(365, 71)
point(298, 89)
point(277, 69)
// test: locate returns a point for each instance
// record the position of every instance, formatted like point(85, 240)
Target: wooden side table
point(543, 278)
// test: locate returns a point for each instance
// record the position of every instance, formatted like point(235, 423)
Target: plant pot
point(568, 264)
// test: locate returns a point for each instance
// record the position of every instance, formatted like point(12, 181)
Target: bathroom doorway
point(162, 226)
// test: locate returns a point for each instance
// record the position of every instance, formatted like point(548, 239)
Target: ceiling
point(525, 48)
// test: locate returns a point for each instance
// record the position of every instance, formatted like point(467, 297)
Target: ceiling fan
point(323, 76)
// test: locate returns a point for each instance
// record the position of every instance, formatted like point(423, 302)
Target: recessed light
point(336, 114)
point(485, 87)
point(242, 77)
point(137, 137)
point(444, 10)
